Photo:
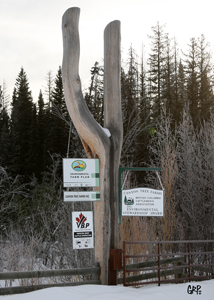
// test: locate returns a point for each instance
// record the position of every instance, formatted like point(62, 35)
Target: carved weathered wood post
point(96, 142)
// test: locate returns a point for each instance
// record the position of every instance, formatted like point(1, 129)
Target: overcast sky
point(31, 37)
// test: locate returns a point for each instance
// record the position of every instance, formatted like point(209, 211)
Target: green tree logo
point(129, 201)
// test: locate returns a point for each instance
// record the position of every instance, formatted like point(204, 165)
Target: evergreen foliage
point(22, 118)
point(158, 69)
point(4, 129)
point(59, 114)
point(95, 97)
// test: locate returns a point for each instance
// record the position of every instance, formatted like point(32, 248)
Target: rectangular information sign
point(82, 230)
point(81, 172)
point(143, 202)
point(81, 196)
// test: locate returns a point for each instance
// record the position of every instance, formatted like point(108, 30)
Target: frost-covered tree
point(186, 158)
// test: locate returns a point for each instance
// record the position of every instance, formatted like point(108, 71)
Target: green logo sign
point(129, 201)
point(78, 165)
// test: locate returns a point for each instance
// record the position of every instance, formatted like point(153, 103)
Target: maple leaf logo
point(81, 219)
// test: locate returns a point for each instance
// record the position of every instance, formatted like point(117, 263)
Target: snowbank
point(98, 292)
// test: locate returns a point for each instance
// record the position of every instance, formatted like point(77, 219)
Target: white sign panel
point(81, 196)
point(81, 172)
point(82, 230)
point(143, 202)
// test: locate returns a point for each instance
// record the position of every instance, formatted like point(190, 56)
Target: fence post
point(189, 261)
point(158, 263)
point(96, 276)
point(179, 275)
point(115, 264)
point(124, 263)
point(212, 249)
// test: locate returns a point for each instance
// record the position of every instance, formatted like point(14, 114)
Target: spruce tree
point(49, 88)
point(59, 119)
point(144, 104)
point(21, 126)
point(192, 78)
point(178, 87)
point(94, 97)
point(4, 129)
point(40, 154)
point(182, 94)
point(168, 78)
point(145, 119)
point(206, 97)
point(130, 92)
point(156, 63)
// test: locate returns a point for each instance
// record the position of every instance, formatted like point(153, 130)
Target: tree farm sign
point(143, 202)
point(70, 196)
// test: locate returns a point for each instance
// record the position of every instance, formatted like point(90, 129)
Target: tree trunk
point(96, 142)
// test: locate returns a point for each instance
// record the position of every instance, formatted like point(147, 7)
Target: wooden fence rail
point(142, 266)
point(95, 272)
point(185, 265)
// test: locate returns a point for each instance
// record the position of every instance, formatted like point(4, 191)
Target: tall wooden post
point(96, 142)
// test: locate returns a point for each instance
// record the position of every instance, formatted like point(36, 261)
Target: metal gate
point(167, 261)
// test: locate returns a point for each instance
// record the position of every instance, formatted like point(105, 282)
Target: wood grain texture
point(113, 116)
point(95, 141)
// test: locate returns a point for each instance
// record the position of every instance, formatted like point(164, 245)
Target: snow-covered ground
point(97, 292)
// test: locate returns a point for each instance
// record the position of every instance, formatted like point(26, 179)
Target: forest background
point(168, 122)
